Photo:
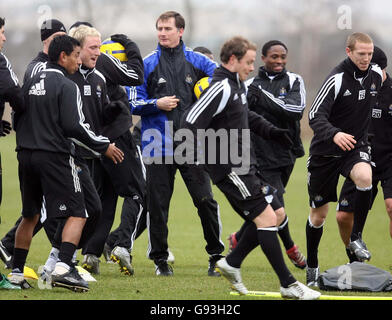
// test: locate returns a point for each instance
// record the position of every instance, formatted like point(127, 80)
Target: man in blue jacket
point(171, 72)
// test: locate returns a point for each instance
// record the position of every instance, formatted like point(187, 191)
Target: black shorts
point(347, 194)
point(278, 178)
point(324, 172)
point(128, 177)
point(51, 178)
point(246, 193)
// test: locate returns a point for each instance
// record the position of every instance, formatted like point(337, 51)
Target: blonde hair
point(357, 37)
point(81, 32)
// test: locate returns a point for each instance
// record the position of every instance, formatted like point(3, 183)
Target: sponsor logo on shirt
point(38, 89)
point(161, 80)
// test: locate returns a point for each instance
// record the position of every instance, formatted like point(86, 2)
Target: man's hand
point(254, 91)
point(281, 136)
point(114, 153)
point(5, 128)
point(344, 141)
point(121, 38)
point(167, 103)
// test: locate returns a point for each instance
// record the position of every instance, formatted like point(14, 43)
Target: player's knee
point(317, 216)
point(280, 215)
point(344, 218)
point(31, 219)
point(364, 182)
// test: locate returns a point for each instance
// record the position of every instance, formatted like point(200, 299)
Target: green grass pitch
point(190, 280)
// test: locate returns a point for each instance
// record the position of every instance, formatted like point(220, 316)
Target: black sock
point(246, 244)
point(361, 209)
point(67, 250)
point(351, 256)
point(284, 234)
point(313, 237)
point(239, 233)
point(270, 245)
point(19, 259)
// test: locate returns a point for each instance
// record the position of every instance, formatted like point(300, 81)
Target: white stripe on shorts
point(239, 184)
point(75, 175)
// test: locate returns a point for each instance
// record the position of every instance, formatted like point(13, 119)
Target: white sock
point(52, 259)
point(61, 268)
point(74, 256)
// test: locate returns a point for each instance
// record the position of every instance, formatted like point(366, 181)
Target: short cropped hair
point(82, 32)
point(357, 37)
point(2, 22)
point(59, 44)
point(271, 43)
point(202, 50)
point(178, 18)
point(238, 46)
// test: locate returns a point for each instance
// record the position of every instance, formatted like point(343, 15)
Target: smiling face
point(245, 65)
point(90, 51)
point(169, 35)
point(276, 58)
point(361, 54)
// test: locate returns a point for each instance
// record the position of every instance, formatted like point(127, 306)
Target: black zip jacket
point(280, 100)
point(117, 75)
point(54, 115)
point(169, 71)
point(92, 87)
point(381, 128)
point(223, 105)
point(343, 104)
point(10, 90)
point(36, 65)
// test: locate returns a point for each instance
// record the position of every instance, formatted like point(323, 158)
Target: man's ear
point(348, 51)
point(181, 31)
point(232, 59)
point(62, 58)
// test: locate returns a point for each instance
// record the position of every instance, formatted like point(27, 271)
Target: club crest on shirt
point(99, 91)
point(188, 79)
point(373, 90)
point(390, 110)
point(282, 93)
